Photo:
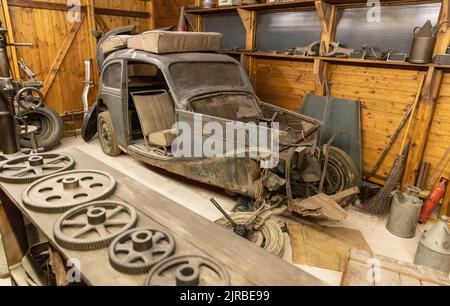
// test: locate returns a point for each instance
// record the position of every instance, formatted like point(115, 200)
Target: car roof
point(167, 59)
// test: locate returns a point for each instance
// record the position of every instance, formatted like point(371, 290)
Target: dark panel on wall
point(230, 25)
point(393, 31)
point(282, 31)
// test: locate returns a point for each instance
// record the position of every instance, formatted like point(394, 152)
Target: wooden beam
point(122, 13)
point(421, 129)
point(443, 37)
point(101, 23)
point(327, 15)
point(61, 55)
point(12, 50)
point(64, 7)
point(320, 76)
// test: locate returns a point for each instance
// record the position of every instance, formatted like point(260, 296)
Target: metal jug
point(405, 211)
point(423, 44)
point(434, 247)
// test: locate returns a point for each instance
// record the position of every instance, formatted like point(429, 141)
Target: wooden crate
point(363, 269)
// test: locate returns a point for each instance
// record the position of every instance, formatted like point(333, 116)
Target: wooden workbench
point(247, 264)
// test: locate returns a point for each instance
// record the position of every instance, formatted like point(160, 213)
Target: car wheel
point(50, 127)
point(107, 134)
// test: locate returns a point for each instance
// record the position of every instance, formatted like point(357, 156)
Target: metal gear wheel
point(137, 251)
point(93, 226)
point(269, 236)
point(188, 270)
point(28, 168)
point(62, 191)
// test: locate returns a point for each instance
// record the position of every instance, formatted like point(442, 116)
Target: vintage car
point(142, 95)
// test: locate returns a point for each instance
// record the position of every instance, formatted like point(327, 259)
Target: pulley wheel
point(269, 236)
point(26, 169)
point(188, 270)
point(62, 191)
point(93, 226)
point(137, 251)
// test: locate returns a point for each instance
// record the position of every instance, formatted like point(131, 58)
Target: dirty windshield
point(206, 75)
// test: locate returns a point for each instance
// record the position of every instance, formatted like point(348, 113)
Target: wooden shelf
point(294, 4)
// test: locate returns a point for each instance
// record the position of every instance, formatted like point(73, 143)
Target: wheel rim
point(105, 134)
point(41, 121)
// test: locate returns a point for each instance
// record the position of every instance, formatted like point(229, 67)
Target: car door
point(113, 88)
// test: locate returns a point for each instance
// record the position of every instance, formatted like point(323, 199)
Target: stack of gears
point(89, 221)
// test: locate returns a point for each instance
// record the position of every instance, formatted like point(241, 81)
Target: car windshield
point(206, 75)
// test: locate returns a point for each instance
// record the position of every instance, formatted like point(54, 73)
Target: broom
point(379, 204)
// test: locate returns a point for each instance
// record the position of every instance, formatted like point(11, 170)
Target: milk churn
point(405, 211)
point(423, 44)
point(434, 247)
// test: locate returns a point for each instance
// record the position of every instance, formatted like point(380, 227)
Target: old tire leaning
point(271, 231)
point(343, 170)
point(50, 127)
point(107, 134)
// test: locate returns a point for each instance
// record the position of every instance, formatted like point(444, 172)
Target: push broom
point(379, 204)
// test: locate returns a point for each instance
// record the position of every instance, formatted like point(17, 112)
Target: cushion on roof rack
point(171, 42)
point(115, 43)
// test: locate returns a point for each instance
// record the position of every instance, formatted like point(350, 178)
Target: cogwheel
point(28, 168)
point(62, 191)
point(137, 251)
point(188, 270)
point(93, 226)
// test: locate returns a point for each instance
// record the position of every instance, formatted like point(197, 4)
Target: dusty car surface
point(142, 95)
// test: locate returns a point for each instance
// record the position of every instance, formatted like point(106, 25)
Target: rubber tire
point(352, 177)
point(113, 149)
point(270, 230)
point(52, 129)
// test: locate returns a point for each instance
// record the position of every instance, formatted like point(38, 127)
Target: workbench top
point(247, 264)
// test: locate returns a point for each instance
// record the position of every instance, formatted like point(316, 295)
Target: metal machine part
point(88, 84)
point(137, 251)
point(29, 98)
point(188, 270)
point(405, 211)
point(267, 235)
point(8, 141)
point(434, 247)
point(62, 191)
point(93, 226)
point(337, 50)
point(28, 168)
point(310, 50)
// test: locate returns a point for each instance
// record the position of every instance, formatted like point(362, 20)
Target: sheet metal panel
point(285, 30)
point(230, 25)
point(394, 31)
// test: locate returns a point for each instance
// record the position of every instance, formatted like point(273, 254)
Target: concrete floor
point(196, 198)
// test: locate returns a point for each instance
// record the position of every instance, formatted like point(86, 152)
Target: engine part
point(396, 56)
point(8, 141)
point(93, 226)
point(188, 270)
point(26, 169)
point(405, 210)
point(435, 196)
point(50, 127)
point(310, 50)
point(137, 251)
point(434, 247)
point(29, 98)
point(269, 235)
point(337, 50)
point(62, 191)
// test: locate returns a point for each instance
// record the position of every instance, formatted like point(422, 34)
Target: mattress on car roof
point(171, 42)
point(115, 43)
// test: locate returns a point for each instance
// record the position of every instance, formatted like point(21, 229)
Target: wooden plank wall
point(166, 12)
point(49, 31)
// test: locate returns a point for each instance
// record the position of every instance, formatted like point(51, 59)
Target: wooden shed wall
point(60, 47)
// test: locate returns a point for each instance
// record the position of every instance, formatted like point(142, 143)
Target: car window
point(112, 76)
